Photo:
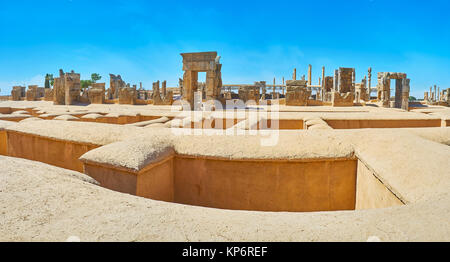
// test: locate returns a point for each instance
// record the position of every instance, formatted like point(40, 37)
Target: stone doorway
point(193, 64)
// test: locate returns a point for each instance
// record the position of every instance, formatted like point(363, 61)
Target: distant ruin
point(337, 90)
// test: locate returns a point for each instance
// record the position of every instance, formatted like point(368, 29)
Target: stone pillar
point(323, 75)
point(353, 77)
point(439, 94)
point(369, 76)
point(163, 88)
point(309, 75)
point(211, 85)
point(386, 92)
point(425, 96)
point(336, 81)
point(274, 91)
point(58, 91)
point(405, 94)
point(190, 80)
point(398, 93)
point(294, 75)
point(434, 94)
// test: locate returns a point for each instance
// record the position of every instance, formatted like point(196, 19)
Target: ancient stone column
point(386, 92)
point(439, 94)
point(309, 74)
point(336, 81)
point(434, 94)
point(425, 96)
point(323, 75)
point(398, 93)
point(294, 75)
point(189, 78)
point(405, 94)
point(163, 88)
point(273, 95)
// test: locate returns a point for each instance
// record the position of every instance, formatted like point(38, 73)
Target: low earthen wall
point(278, 185)
point(55, 152)
point(3, 143)
point(368, 123)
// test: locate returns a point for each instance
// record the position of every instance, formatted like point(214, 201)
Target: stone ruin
point(446, 96)
point(297, 93)
point(344, 88)
point(193, 63)
point(327, 88)
point(161, 98)
point(342, 99)
point(127, 95)
point(96, 93)
point(32, 93)
point(115, 84)
point(437, 97)
point(18, 92)
point(67, 88)
point(48, 94)
point(361, 91)
point(249, 92)
point(402, 88)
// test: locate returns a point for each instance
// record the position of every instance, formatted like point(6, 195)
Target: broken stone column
point(434, 94)
point(48, 96)
point(345, 78)
point(294, 75)
point(163, 88)
point(327, 88)
point(96, 94)
point(127, 96)
point(398, 93)
point(18, 92)
point(309, 74)
point(156, 93)
point(115, 84)
point(405, 94)
point(72, 88)
point(31, 94)
point(323, 74)
point(369, 79)
point(59, 91)
point(336, 80)
point(446, 93)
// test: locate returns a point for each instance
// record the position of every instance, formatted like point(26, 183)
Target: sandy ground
point(45, 203)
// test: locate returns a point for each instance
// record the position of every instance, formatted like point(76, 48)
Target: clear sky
point(257, 40)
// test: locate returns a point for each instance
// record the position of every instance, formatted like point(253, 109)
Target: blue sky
point(257, 40)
